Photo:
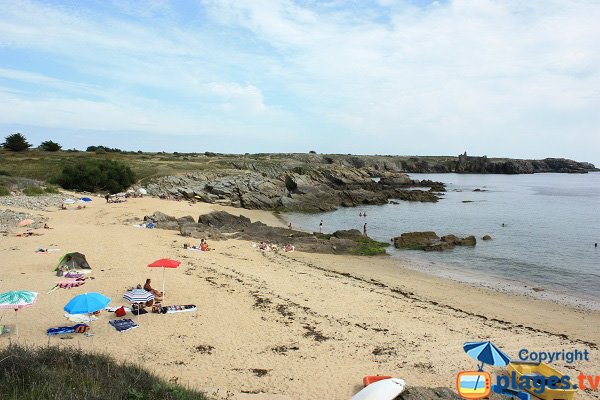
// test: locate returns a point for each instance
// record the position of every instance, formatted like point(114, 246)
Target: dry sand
point(276, 326)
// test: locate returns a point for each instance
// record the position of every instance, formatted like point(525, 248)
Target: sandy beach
point(275, 325)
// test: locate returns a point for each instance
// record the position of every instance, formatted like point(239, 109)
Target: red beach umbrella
point(164, 263)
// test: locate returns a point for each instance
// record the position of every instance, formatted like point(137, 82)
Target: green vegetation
point(34, 191)
point(39, 190)
point(96, 175)
point(16, 142)
point(103, 149)
point(49, 145)
point(4, 191)
point(324, 236)
point(53, 373)
point(370, 247)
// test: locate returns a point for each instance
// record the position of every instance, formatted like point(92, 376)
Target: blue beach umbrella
point(486, 353)
point(86, 199)
point(86, 303)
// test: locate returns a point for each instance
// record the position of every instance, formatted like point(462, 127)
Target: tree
point(49, 145)
point(16, 142)
point(96, 175)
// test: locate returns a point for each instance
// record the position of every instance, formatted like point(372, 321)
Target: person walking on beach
point(290, 226)
point(365, 229)
point(321, 227)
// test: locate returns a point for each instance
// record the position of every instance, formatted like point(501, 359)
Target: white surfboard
point(387, 389)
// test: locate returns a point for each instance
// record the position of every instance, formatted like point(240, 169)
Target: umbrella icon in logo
point(486, 353)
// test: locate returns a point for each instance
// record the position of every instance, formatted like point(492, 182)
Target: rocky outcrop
point(486, 237)
point(416, 240)
point(220, 225)
point(430, 241)
point(297, 188)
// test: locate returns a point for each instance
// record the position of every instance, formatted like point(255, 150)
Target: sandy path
point(277, 326)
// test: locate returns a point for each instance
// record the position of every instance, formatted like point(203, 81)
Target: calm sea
point(545, 248)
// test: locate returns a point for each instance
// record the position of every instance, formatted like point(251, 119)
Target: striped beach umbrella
point(138, 296)
point(16, 300)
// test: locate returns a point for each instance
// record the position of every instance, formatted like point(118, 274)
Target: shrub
point(34, 191)
point(4, 191)
point(16, 142)
point(96, 175)
point(49, 145)
point(51, 189)
point(103, 149)
point(4, 173)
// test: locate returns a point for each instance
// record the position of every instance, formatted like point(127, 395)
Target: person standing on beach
point(290, 226)
point(321, 227)
point(365, 229)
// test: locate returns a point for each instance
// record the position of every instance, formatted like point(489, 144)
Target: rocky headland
point(316, 182)
point(296, 186)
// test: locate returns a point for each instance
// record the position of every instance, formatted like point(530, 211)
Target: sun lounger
point(123, 325)
point(79, 328)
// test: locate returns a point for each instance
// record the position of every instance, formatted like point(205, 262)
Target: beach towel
point(80, 318)
point(69, 284)
point(123, 325)
point(176, 309)
point(79, 328)
point(73, 275)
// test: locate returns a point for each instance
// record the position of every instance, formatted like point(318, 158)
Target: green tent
point(72, 261)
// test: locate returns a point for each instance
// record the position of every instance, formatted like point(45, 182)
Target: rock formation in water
point(430, 241)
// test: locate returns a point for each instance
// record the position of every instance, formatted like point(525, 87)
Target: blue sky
point(502, 78)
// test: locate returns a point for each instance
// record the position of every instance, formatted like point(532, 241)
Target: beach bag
point(120, 312)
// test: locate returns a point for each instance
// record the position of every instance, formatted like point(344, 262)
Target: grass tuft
point(51, 372)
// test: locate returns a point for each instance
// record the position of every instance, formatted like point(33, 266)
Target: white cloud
point(455, 74)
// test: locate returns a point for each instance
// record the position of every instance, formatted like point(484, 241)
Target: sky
point(414, 77)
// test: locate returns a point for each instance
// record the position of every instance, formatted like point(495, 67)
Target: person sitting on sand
point(47, 227)
point(148, 287)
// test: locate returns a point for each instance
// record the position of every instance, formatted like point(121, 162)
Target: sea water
point(543, 229)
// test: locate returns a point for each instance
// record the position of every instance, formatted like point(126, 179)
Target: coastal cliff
point(295, 186)
point(315, 182)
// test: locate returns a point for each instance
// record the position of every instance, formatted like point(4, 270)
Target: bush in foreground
point(4, 191)
point(58, 373)
point(96, 175)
